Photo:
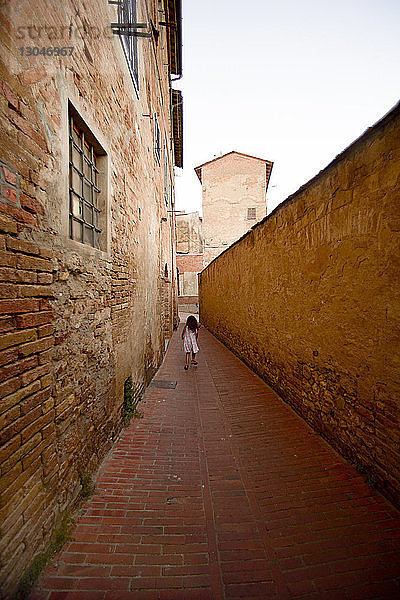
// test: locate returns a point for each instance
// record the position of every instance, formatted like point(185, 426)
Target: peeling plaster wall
point(309, 299)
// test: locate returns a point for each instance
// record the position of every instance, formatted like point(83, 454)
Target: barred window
point(157, 140)
point(83, 188)
point(251, 214)
point(127, 15)
point(166, 175)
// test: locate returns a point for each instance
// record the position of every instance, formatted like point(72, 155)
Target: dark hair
point(191, 323)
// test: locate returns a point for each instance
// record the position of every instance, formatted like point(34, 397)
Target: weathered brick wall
point(310, 300)
point(76, 322)
point(189, 262)
point(189, 245)
point(231, 184)
point(183, 300)
point(189, 237)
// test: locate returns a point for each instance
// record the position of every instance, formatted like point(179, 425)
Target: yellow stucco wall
point(310, 300)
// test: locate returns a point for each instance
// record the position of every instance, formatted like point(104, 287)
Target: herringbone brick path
point(222, 492)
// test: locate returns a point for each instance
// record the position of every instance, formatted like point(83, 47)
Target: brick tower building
point(234, 197)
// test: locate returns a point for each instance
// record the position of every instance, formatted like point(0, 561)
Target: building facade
point(234, 198)
point(90, 135)
point(189, 258)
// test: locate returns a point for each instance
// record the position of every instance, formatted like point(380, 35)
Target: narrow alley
point(221, 491)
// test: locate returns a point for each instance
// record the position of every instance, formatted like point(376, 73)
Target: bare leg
point(194, 358)
point(187, 360)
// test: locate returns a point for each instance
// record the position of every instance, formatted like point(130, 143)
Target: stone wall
point(309, 299)
point(76, 321)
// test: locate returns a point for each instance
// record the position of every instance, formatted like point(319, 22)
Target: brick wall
point(309, 299)
point(192, 263)
point(76, 321)
point(231, 184)
point(184, 300)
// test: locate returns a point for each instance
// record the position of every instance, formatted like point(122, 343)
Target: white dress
point(189, 341)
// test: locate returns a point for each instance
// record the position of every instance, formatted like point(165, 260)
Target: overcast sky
point(293, 82)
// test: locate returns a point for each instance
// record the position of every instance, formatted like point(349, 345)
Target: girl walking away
point(189, 335)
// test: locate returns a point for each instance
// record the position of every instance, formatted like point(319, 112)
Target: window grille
point(83, 191)
point(251, 214)
point(166, 187)
point(157, 140)
point(127, 14)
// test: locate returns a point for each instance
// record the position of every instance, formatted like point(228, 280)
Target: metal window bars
point(83, 190)
point(157, 139)
point(166, 176)
point(129, 30)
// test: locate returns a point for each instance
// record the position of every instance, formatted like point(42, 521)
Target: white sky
point(293, 82)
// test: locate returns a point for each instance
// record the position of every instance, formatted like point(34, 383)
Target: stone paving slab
point(222, 492)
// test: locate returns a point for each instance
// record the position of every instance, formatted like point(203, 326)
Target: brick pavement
point(222, 492)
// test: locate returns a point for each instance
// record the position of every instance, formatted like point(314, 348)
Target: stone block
point(35, 400)
point(10, 176)
point(34, 319)
point(45, 330)
point(12, 275)
point(9, 194)
point(34, 263)
point(28, 377)
point(10, 371)
point(8, 356)
point(31, 205)
point(7, 225)
point(9, 386)
point(17, 337)
point(21, 451)
point(17, 245)
point(7, 259)
point(45, 278)
point(34, 291)
point(37, 424)
point(18, 306)
point(46, 356)
point(7, 324)
point(35, 347)
point(19, 214)
point(16, 397)
point(9, 416)
point(8, 450)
